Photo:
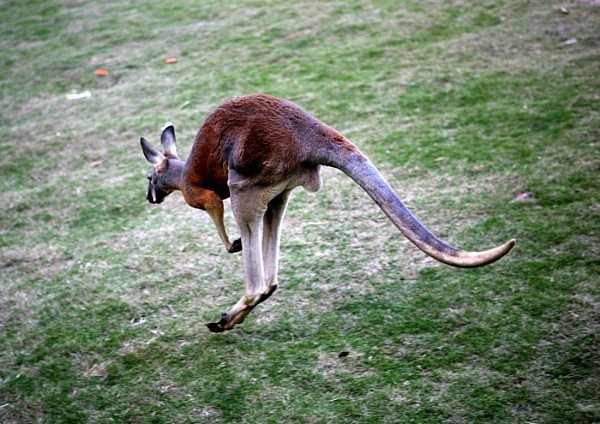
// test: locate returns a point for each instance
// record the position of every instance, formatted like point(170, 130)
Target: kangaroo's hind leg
point(252, 208)
point(272, 221)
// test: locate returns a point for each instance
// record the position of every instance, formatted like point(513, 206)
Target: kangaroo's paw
point(215, 327)
point(218, 327)
point(236, 246)
point(222, 325)
point(228, 321)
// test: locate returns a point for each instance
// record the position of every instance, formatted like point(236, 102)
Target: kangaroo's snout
point(155, 196)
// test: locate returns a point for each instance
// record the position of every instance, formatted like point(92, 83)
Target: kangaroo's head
point(167, 168)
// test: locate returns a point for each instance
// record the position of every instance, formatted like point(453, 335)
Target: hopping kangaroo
point(256, 149)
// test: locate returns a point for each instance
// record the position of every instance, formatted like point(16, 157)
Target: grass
point(462, 105)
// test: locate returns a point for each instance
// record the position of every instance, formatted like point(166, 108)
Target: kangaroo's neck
point(205, 167)
point(174, 175)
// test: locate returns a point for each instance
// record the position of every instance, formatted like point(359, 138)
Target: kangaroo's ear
point(152, 155)
point(167, 139)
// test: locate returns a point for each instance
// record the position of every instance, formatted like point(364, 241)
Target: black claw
point(218, 327)
point(236, 246)
point(215, 327)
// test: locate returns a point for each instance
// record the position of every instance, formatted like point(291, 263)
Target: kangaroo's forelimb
point(216, 210)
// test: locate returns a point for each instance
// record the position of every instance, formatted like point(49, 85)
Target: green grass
point(462, 105)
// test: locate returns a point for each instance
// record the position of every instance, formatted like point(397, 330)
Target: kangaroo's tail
point(351, 161)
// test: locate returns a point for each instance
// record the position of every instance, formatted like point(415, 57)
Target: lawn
point(485, 118)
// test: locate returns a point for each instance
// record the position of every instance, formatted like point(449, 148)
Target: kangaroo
point(256, 149)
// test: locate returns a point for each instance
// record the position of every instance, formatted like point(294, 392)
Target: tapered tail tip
point(506, 247)
point(475, 259)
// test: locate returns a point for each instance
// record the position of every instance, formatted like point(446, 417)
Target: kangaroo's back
point(260, 136)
